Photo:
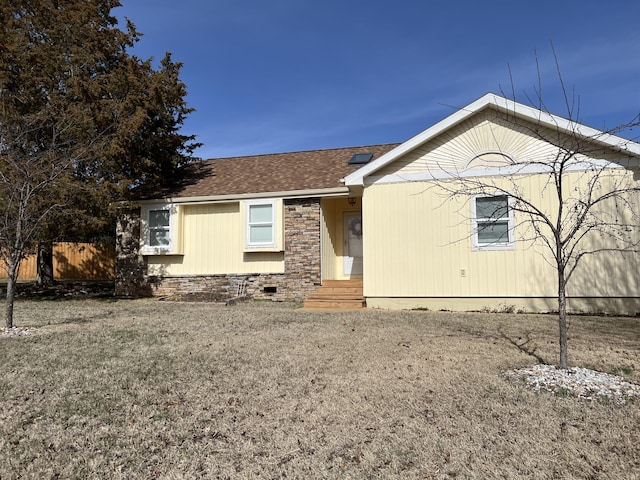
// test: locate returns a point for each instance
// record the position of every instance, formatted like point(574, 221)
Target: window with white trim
point(261, 223)
point(493, 223)
point(158, 228)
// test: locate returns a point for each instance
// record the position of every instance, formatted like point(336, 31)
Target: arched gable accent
point(490, 158)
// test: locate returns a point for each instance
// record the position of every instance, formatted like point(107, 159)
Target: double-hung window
point(493, 223)
point(261, 223)
point(160, 226)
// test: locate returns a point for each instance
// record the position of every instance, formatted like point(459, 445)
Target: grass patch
point(624, 371)
point(148, 389)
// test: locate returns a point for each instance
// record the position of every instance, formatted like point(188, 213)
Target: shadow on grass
point(80, 320)
point(76, 321)
point(614, 329)
point(64, 291)
point(524, 344)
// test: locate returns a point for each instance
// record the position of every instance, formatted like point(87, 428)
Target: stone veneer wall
point(301, 263)
point(130, 264)
point(221, 287)
point(302, 246)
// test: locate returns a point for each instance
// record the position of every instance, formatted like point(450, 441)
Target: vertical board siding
point(328, 262)
point(73, 261)
point(213, 243)
point(418, 242)
point(333, 239)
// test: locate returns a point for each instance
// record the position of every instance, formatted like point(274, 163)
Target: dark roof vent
point(360, 158)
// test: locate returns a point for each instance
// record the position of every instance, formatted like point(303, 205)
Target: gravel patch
point(580, 382)
point(15, 332)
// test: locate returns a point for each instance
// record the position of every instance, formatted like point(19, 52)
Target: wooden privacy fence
point(73, 261)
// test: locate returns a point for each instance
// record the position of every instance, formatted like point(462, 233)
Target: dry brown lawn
point(150, 389)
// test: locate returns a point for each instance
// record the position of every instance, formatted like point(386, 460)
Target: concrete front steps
point(337, 294)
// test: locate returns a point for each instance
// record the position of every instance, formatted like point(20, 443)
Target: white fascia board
point(556, 122)
point(505, 105)
point(321, 192)
point(357, 177)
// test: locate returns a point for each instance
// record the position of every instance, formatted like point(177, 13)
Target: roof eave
point(291, 194)
point(357, 177)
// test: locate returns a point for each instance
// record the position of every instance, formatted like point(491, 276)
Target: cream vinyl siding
point(332, 236)
point(214, 243)
point(418, 244)
point(328, 239)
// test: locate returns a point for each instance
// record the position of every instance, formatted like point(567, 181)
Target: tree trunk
point(44, 277)
point(562, 319)
point(12, 273)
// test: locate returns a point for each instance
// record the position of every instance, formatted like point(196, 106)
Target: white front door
point(352, 255)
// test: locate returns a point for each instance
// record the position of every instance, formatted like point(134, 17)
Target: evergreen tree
point(82, 123)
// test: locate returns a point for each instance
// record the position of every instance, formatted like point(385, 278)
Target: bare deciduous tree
point(589, 177)
point(33, 182)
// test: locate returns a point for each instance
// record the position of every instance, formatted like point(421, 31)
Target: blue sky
point(268, 76)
